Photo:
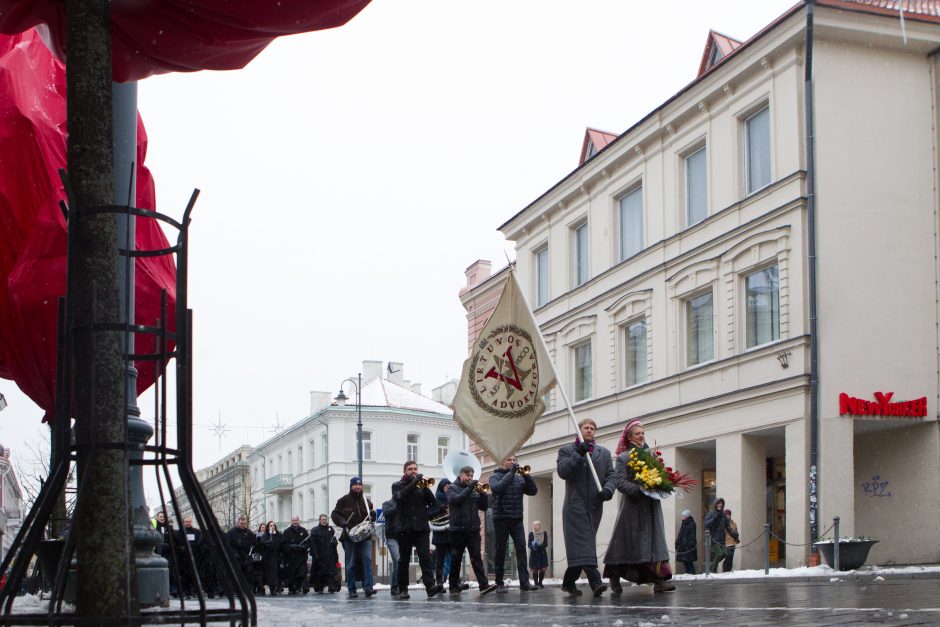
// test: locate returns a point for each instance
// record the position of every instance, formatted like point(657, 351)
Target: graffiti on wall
point(877, 487)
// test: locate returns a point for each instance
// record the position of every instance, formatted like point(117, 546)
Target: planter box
point(852, 555)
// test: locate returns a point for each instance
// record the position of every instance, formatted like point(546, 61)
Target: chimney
point(396, 372)
point(416, 388)
point(406, 384)
point(319, 400)
point(445, 392)
point(478, 272)
point(371, 369)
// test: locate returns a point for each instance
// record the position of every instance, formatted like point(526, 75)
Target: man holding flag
point(498, 402)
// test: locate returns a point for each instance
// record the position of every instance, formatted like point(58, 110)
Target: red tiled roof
point(725, 45)
point(925, 10)
point(599, 138)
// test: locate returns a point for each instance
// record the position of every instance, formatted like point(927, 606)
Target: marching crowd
point(449, 519)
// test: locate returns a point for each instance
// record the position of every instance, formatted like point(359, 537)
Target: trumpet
point(524, 470)
point(482, 488)
point(425, 482)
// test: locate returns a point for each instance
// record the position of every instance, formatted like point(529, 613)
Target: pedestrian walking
point(538, 553)
point(510, 485)
point(389, 512)
point(716, 527)
point(240, 541)
point(257, 560)
point(295, 544)
point(584, 505)
point(271, 554)
point(637, 549)
point(324, 554)
point(732, 539)
point(687, 542)
point(352, 509)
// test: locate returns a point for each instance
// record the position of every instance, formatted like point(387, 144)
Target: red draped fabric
point(159, 36)
point(33, 230)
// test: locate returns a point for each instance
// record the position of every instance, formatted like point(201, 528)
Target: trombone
point(425, 482)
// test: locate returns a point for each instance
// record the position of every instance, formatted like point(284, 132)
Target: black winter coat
point(414, 506)
point(508, 488)
point(240, 542)
point(270, 546)
point(294, 545)
point(351, 510)
point(686, 542)
point(390, 514)
point(323, 551)
point(716, 523)
point(465, 505)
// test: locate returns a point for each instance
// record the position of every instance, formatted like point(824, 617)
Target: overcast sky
point(349, 177)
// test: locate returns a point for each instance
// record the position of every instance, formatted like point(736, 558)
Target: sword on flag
point(508, 372)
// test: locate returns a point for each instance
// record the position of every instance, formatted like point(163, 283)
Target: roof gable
point(717, 47)
point(594, 141)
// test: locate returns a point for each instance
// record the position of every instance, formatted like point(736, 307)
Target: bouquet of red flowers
point(656, 478)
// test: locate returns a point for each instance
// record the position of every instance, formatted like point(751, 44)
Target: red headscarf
point(624, 442)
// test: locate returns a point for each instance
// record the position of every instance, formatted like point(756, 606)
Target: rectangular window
point(631, 223)
point(313, 447)
point(300, 459)
point(411, 452)
point(762, 298)
point(541, 276)
point(325, 493)
point(757, 149)
point(366, 445)
point(582, 372)
point(700, 329)
point(636, 352)
point(325, 443)
point(696, 187)
point(581, 254)
point(443, 448)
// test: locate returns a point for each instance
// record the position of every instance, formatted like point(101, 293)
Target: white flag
point(499, 396)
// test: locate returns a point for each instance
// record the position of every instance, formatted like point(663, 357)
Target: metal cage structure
point(207, 569)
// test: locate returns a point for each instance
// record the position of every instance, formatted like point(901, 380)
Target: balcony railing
point(279, 483)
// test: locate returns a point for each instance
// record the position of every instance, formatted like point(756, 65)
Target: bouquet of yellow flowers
point(655, 478)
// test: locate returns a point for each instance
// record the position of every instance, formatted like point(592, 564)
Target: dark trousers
point(469, 541)
point(729, 559)
point(441, 561)
point(420, 541)
point(505, 528)
point(689, 566)
point(296, 571)
point(571, 576)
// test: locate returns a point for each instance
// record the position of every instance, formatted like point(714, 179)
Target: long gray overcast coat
point(581, 514)
point(638, 536)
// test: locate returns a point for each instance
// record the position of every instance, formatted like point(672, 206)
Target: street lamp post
point(341, 398)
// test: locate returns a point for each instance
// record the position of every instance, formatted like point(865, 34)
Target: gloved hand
point(474, 482)
point(514, 469)
point(606, 494)
point(583, 448)
point(419, 477)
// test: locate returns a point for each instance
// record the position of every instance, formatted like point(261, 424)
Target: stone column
point(797, 467)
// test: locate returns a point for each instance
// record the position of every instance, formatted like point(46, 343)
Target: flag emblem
point(505, 373)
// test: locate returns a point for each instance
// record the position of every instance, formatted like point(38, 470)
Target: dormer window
point(591, 150)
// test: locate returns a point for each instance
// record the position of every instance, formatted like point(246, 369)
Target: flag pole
point(561, 388)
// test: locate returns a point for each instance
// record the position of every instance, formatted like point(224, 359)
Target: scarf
point(590, 445)
point(539, 536)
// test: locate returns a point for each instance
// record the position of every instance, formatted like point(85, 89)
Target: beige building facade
point(673, 276)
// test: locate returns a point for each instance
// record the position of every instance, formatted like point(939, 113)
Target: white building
point(227, 486)
point(12, 505)
point(674, 278)
point(306, 468)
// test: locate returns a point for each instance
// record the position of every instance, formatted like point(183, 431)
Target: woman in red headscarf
point(637, 550)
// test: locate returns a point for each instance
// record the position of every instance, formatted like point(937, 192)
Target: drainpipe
point(813, 331)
